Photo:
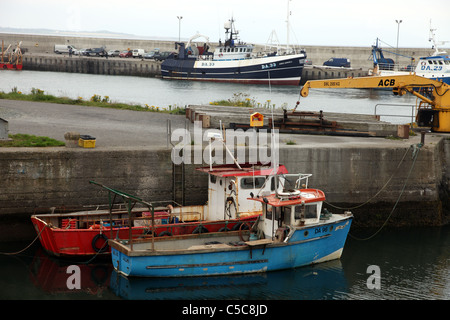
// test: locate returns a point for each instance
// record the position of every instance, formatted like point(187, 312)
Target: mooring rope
point(18, 252)
point(416, 149)
point(376, 195)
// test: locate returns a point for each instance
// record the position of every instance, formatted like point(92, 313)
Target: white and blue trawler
point(233, 61)
point(291, 232)
point(435, 67)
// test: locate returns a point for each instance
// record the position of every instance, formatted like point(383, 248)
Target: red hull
point(80, 242)
point(10, 66)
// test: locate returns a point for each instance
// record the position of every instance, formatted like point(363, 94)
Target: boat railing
point(301, 179)
point(396, 67)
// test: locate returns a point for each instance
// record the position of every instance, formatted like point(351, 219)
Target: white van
point(64, 48)
point(138, 53)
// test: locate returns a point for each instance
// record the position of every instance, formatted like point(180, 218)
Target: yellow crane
point(433, 110)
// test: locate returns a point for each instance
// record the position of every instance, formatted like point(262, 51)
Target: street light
point(398, 30)
point(179, 27)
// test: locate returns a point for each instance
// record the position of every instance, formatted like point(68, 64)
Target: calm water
point(414, 264)
point(165, 93)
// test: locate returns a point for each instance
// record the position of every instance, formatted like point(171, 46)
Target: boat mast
point(436, 43)
point(287, 27)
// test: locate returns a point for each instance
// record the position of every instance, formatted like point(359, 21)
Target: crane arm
point(401, 82)
point(437, 96)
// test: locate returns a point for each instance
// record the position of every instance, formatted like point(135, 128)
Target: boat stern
point(121, 262)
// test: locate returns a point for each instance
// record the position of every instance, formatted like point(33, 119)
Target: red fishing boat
point(85, 232)
point(11, 61)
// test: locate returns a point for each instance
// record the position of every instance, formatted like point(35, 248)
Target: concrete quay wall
point(35, 179)
point(42, 45)
point(63, 63)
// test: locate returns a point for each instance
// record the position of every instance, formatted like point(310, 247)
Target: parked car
point(98, 52)
point(125, 54)
point(138, 53)
point(79, 52)
point(149, 55)
point(337, 62)
point(64, 48)
point(160, 56)
point(308, 62)
point(113, 53)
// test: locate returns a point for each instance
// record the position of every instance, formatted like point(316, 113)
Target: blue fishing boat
point(233, 61)
point(293, 231)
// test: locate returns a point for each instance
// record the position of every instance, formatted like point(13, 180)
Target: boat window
point(287, 215)
point(311, 211)
point(213, 179)
point(269, 210)
point(272, 184)
point(250, 183)
point(447, 62)
point(440, 62)
point(299, 211)
point(430, 62)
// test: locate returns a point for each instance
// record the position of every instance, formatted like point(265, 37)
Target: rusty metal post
point(422, 137)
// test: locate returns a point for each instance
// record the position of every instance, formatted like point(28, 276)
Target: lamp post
point(179, 27)
point(398, 30)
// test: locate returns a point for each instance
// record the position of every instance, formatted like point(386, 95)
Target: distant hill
point(95, 34)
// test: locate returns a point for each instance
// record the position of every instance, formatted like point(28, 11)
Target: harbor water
point(165, 94)
point(413, 264)
point(403, 264)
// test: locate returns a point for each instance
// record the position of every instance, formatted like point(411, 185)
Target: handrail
point(396, 115)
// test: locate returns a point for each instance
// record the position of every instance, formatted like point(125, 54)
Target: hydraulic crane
point(433, 110)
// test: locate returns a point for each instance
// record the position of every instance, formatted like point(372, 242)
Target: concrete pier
point(39, 55)
point(76, 64)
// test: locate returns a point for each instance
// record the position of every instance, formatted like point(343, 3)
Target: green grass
point(244, 100)
point(27, 140)
point(95, 101)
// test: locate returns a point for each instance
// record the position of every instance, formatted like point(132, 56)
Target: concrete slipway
point(131, 154)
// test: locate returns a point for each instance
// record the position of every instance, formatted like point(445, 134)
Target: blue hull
point(307, 246)
point(278, 71)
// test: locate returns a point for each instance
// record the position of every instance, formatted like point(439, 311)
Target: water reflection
point(414, 264)
point(312, 283)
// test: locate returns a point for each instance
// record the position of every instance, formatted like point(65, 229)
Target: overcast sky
point(320, 22)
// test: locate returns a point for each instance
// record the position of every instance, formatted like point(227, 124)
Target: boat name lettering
point(321, 230)
point(433, 68)
point(386, 83)
point(269, 65)
point(207, 64)
point(331, 84)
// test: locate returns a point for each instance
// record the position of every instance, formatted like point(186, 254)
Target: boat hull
point(276, 70)
point(11, 66)
point(88, 242)
point(308, 245)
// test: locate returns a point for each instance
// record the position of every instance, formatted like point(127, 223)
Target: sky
point(320, 22)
